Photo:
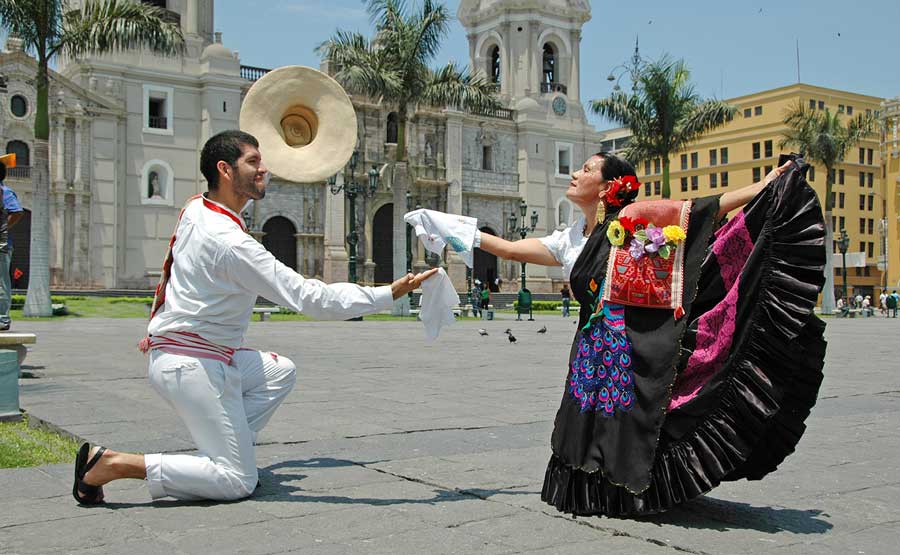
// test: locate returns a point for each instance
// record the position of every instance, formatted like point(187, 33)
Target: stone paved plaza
point(392, 445)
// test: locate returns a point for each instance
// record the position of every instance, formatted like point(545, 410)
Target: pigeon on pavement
point(543, 329)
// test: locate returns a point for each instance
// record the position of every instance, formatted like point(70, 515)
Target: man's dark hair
point(2, 171)
point(224, 146)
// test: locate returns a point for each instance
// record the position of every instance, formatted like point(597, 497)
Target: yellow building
point(890, 160)
point(745, 149)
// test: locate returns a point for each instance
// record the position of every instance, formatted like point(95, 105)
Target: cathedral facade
point(127, 131)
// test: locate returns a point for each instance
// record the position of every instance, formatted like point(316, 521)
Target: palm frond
point(705, 117)
point(102, 26)
point(36, 23)
point(619, 107)
point(360, 66)
point(433, 22)
point(453, 86)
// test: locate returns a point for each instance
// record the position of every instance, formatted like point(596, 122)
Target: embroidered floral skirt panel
point(658, 410)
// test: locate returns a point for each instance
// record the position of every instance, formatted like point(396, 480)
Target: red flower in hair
point(620, 190)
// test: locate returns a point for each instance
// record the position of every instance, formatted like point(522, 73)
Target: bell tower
point(529, 48)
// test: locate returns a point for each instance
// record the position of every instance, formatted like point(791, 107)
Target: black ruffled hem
point(766, 395)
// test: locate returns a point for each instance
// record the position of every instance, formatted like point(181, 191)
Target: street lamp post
point(409, 200)
point(351, 189)
point(631, 68)
point(843, 245)
point(522, 231)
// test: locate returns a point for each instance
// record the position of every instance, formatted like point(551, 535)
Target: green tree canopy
point(393, 66)
point(664, 112)
point(51, 28)
point(825, 138)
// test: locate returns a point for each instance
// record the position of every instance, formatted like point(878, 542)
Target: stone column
point(58, 202)
point(530, 81)
point(456, 268)
point(575, 79)
point(335, 263)
point(79, 262)
point(506, 61)
point(400, 186)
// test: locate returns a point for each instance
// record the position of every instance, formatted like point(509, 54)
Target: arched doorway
point(485, 265)
point(20, 237)
point(280, 240)
point(383, 244)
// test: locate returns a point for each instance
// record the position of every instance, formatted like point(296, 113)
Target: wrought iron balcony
point(499, 113)
point(19, 172)
point(553, 87)
point(157, 122)
point(251, 73)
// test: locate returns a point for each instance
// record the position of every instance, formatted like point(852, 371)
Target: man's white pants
point(223, 406)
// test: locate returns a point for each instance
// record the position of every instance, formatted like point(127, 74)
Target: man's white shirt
point(218, 270)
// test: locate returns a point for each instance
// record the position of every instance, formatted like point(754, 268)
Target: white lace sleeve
point(566, 245)
point(555, 243)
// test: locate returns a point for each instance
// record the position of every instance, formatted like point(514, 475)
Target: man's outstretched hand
point(410, 282)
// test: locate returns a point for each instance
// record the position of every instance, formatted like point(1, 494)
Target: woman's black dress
point(720, 394)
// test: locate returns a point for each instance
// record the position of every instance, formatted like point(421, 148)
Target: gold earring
point(601, 212)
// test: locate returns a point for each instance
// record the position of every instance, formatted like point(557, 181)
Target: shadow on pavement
point(717, 514)
point(277, 486)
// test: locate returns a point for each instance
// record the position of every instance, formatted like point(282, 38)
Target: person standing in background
point(10, 213)
point(566, 300)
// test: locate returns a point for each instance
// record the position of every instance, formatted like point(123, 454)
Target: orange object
point(9, 160)
point(17, 273)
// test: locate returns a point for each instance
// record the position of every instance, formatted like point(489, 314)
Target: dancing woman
point(697, 356)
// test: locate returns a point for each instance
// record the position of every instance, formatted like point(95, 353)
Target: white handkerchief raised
point(437, 230)
point(436, 307)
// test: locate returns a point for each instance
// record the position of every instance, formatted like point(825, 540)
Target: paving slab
point(390, 444)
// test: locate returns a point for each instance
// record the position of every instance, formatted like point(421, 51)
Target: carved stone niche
point(486, 137)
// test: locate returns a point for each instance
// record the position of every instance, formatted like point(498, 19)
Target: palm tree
point(823, 137)
point(394, 65)
point(663, 111)
point(51, 28)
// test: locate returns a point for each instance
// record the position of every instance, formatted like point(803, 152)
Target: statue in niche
point(154, 188)
point(429, 150)
point(486, 137)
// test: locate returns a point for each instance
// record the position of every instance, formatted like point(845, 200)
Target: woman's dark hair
point(2, 171)
point(614, 167)
point(224, 146)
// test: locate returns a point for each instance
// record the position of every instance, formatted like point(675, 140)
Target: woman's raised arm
point(735, 199)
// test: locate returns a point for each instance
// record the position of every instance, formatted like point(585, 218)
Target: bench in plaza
point(16, 341)
point(265, 311)
point(12, 353)
point(457, 311)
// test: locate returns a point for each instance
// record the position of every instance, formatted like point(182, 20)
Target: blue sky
point(732, 48)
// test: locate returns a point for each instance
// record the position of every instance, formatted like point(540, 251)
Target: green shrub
point(134, 300)
point(18, 301)
point(547, 305)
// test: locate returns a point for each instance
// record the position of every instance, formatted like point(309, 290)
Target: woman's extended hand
point(410, 282)
point(776, 172)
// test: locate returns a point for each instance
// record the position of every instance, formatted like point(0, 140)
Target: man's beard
point(248, 188)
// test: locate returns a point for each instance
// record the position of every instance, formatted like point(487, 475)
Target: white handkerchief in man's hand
point(436, 306)
point(437, 229)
